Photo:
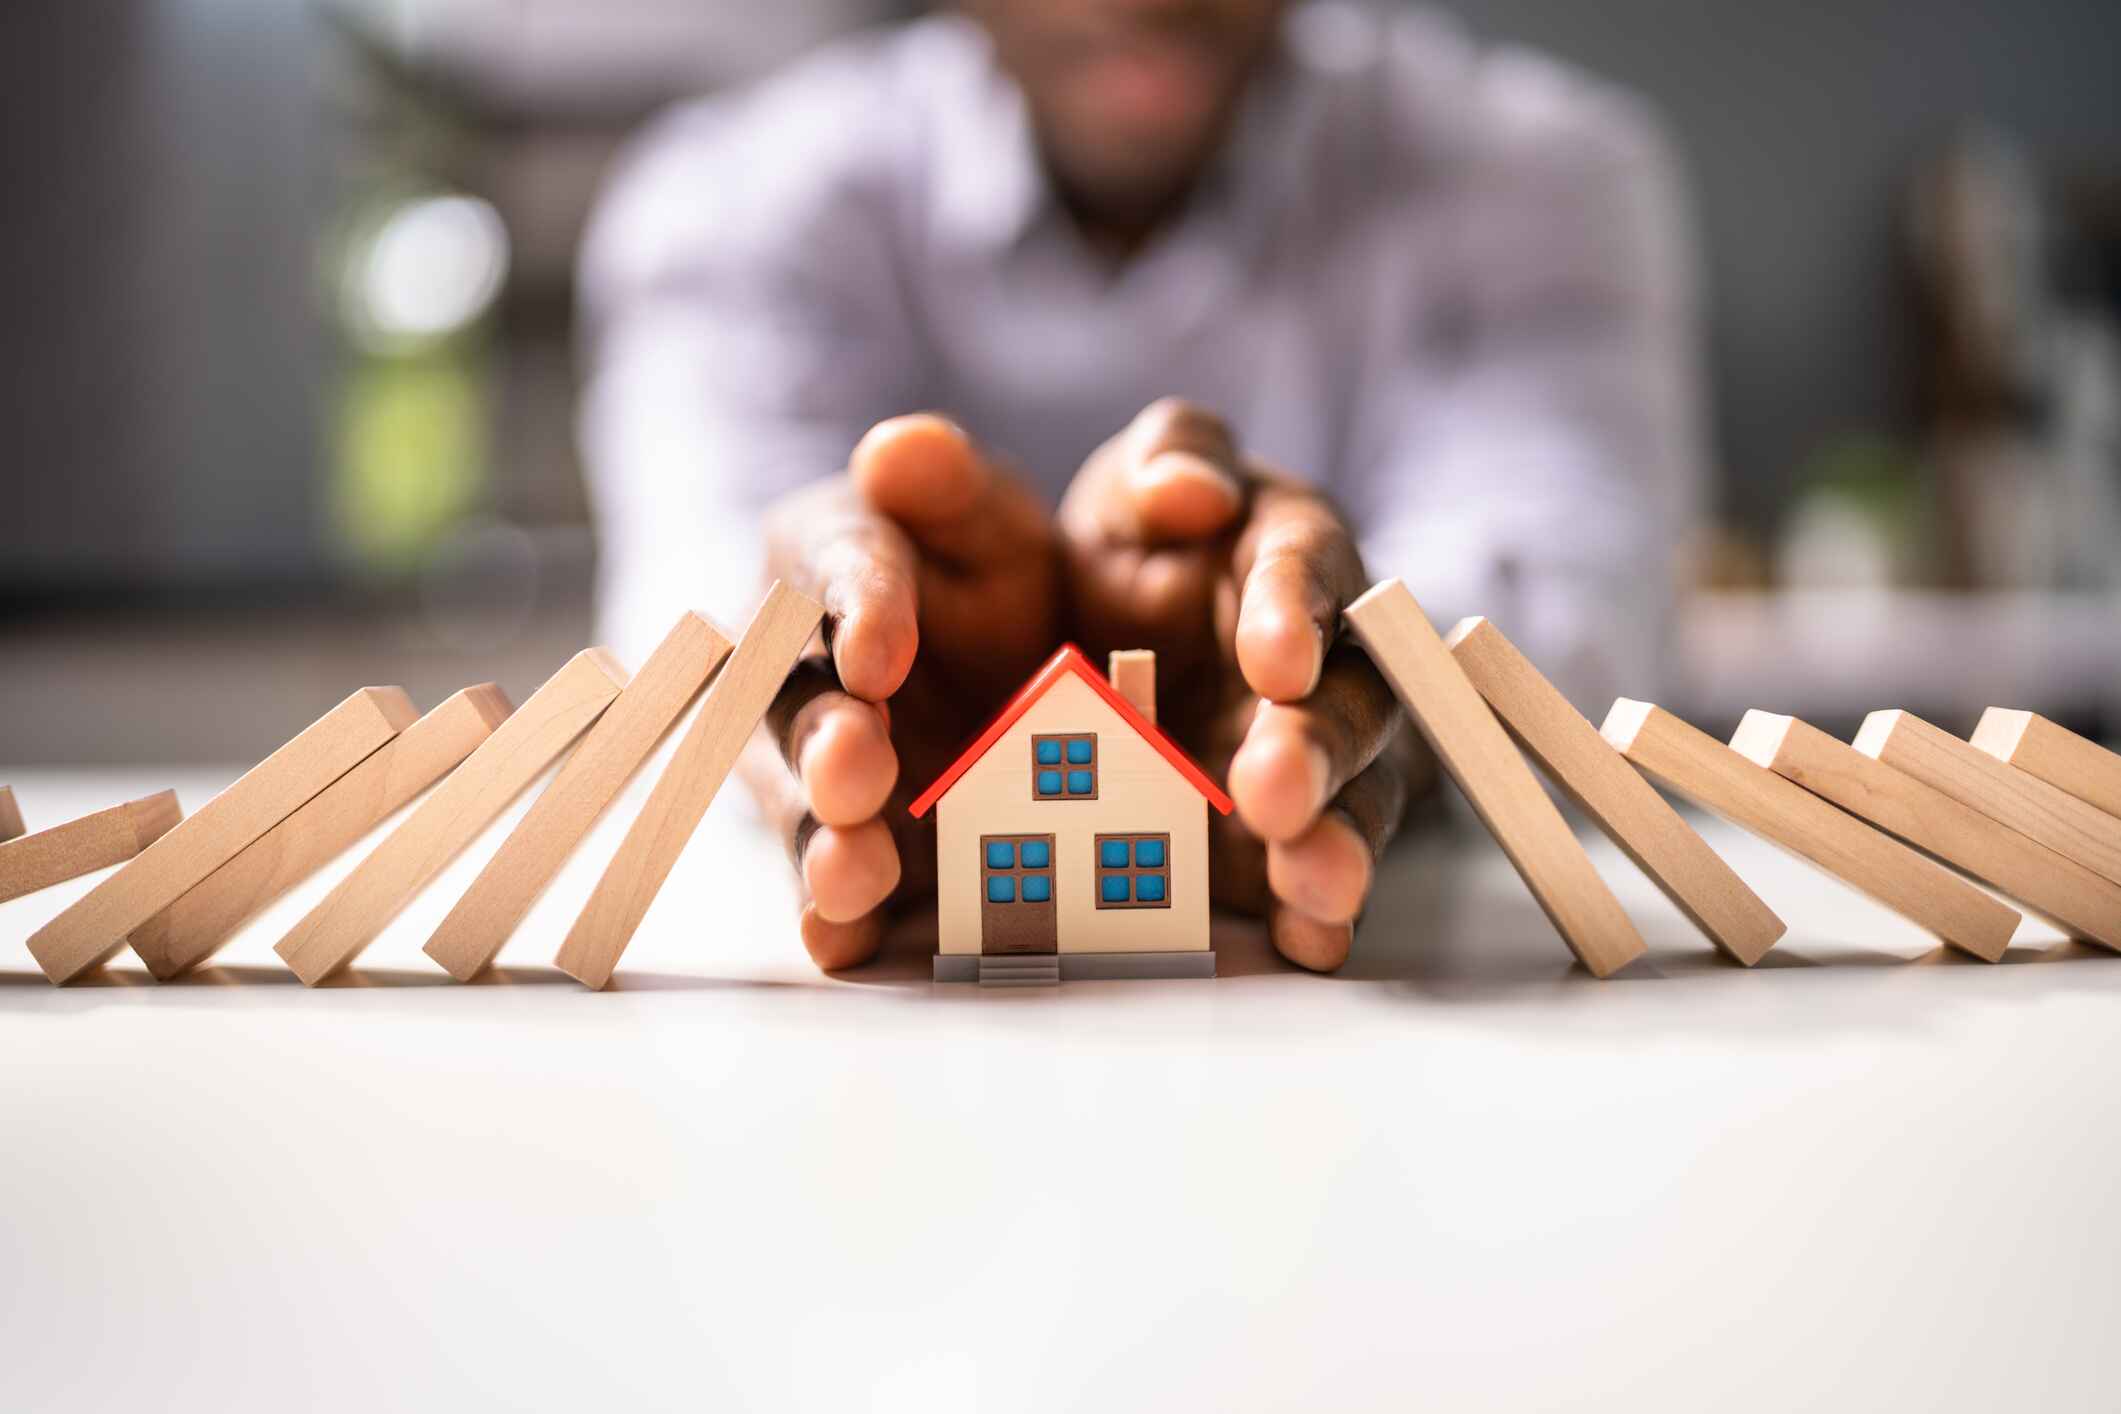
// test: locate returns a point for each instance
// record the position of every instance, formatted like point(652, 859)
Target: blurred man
point(1422, 310)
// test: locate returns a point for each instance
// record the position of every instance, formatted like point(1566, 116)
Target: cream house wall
point(1138, 791)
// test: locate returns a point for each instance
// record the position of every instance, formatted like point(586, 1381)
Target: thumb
point(1172, 475)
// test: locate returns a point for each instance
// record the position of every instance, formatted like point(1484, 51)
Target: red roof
point(1070, 659)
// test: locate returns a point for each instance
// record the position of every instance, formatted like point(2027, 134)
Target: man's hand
point(1236, 576)
point(940, 576)
point(947, 585)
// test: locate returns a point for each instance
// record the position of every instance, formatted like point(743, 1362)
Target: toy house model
point(1072, 837)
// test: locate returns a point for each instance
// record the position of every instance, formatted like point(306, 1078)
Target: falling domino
point(83, 846)
point(1616, 797)
point(2005, 794)
point(337, 929)
point(490, 909)
point(193, 928)
point(10, 814)
point(2055, 754)
point(1691, 763)
point(742, 692)
point(96, 925)
point(2074, 897)
point(1477, 752)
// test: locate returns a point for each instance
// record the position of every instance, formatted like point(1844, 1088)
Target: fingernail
point(1188, 466)
point(1321, 771)
point(1318, 655)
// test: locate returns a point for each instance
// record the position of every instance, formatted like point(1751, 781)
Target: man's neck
point(1118, 232)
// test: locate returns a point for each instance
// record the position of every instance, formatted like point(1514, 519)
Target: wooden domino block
point(2079, 832)
point(193, 928)
point(95, 926)
point(10, 814)
point(742, 691)
point(1616, 797)
point(490, 909)
point(1693, 764)
point(1474, 748)
point(2055, 754)
point(2084, 904)
point(83, 846)
point(349, 917)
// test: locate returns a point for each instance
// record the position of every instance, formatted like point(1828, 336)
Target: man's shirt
point(1452, 286)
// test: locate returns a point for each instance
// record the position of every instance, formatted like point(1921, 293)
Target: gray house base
point(1040, 969)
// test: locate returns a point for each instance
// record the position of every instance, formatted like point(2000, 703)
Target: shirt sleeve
point(742, 330)
point(1533, 453)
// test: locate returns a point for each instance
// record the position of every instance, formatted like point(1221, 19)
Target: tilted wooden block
point(2055, 754)
point(2012, 797)
point(10, 814)
point(193, 928)
point(1616, 797)
point(1473, 747)
point(490, 909)
point(83, 846)
point(742, 691)
point(2084, 904)
point(86, 934)
point(1691, 763)
point(349, 917)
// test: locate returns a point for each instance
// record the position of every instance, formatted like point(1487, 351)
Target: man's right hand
point(939, 574)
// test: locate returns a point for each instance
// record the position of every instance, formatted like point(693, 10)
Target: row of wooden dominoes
point(2025, 807)
point(185, 885)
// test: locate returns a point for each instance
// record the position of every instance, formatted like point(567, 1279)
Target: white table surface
point(1460, 1175)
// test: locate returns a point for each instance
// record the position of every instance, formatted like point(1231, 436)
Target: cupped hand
point(939, 573)
point(1236, 575)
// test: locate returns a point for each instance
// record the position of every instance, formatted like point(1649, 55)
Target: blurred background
point(289, 379)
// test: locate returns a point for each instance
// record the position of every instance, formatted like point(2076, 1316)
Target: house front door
point(1016, 910)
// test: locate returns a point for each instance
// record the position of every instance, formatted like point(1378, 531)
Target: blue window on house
point(1016, 867)
point(1133, 871)
point(1077, 779)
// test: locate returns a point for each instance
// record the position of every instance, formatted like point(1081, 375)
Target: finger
point(833, 943)
point(849, 871)
point(1326, 872)
point(838, 745)
point(1297, 756)
point(923, 472)
point(1181, 472)
point(837, 946)
point(1300, 568)
point(827, 543)
point(1308, 942)
point(1171, 475)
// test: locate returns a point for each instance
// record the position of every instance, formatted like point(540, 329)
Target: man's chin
point(1131, 178)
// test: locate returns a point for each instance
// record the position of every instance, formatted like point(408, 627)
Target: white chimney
point(1132, 672)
